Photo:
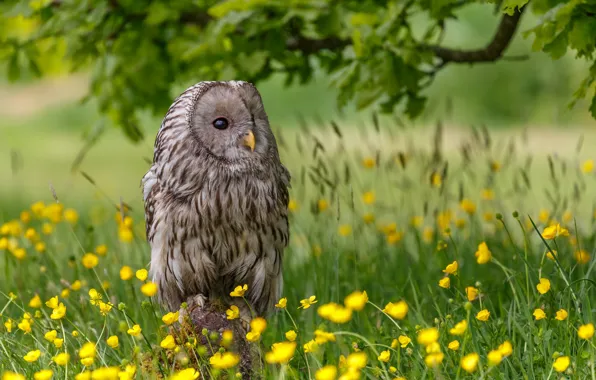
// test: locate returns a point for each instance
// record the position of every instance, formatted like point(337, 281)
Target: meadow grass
point(476, 264)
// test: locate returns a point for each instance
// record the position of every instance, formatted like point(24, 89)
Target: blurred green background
point(42, 124)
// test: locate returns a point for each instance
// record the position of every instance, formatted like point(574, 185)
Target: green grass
point(390, 262)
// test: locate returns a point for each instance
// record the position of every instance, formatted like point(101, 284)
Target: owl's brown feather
point(216, 217)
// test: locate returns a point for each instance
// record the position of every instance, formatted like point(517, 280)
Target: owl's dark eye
point(220, 123)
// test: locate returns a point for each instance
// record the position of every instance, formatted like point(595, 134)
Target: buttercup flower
point(469, 363)
point(282, 303)
point(397, 310)
point(428, 336)
point(561, 363)
point(149, 289)
point(224, 360)
point(384, 356)
point(233, 312)
point(62, 358)
point(113, 341)
point(554, 231)
point(44, 374)
point(142, 274)
point(281, 352)
point(586, 331)
point(561, 315)
point(453, 345)
point(307, 302)
point(494, 357)
point(539, 314)
point(328, 372)
point(126, 273)
point(291, 335)
point(59, 312)
point(356, 300)
point(239, 291)
point(459, 328)
point(90, 260)
point(32, 356)
point(186, 374)
point(35, 302)
point(483, 254)
point(403, 341)
point(451, 268)
point(168, 343)
point(170, 318)
point(471, 293)
point(445, 282)
point(483, 315)
point(505, 349)
point(544, 286)
point(134, 330)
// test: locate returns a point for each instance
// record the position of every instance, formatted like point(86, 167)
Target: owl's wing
point(150, 187)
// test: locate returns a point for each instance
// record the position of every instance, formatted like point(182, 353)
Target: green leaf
point(159, 12)
point(557, 47)
point(593, 107)
point(415, 105)
point(509, 6)
point(360, 19)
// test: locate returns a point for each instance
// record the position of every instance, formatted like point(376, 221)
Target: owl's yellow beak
point(249, 140)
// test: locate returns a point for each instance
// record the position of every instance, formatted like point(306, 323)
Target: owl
point(216, 199)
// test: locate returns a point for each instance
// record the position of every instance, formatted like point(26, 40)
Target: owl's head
point(229, 120)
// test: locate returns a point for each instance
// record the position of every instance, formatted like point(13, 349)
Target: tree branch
point(492, 52)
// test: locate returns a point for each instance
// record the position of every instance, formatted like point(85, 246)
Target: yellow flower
point(282, 303)
point(561, 363)
point(356, 360)
point(59, 312)
point(71, 216)
point(239, 291)
point(483, 254)
point(368, 197)
point(101, 250)
point(134, 331)
point(368, 218)
point(554, 231)
point(394, 237)
point(539, 314)
point(483, 315)
point(384, 356)
point(126, 273)
point(292, 205)
point(19, 253)
point(322, 205)
point(428, 336)
point(149, 289)
point(470, 362)
point(185, 374)
point(307, 302)
point(494, 357)
point(224, 360)
point(445, 282)
point(468, 206)
point(459, 328)
point(434, 359)
point(113, 341)
point(170, 318)
point(142, 274)
point(291, 335)
point(561, 315)
point(12, 376)
point(328, 372)
point(258, 325)
point(50, 336)
point(168, 343)
point(281, 352)
point(369, 162)
point(35, 302)
point(106, 373)
point(322, 337)
point(94, 296)
point(85, 375)
point(253, 336)
point(451, 268)
point(44, 374)
point(586, 331)
point(428, 234)
point(403, 341)
point(356, 300)
point(87, 351)
point(52, 303)
point(551, 255)
point(495, 166)
point(453, 345)
point(505, 349)
point(90, 260)
point(58, 342)
point(32, 356)
point(62, 358)
point(544, 286)
point(310, 346)
point(104, 308)
point(587, 167)
point(65, 293)
point(436, 180)
point(581, 256)
point(233, 312)
point(8, 324)
point(397, 310)
point(345, 230)
point(471, 293)
point(487, 194)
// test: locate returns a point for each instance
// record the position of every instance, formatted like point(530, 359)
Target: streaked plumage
point(216, 212)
